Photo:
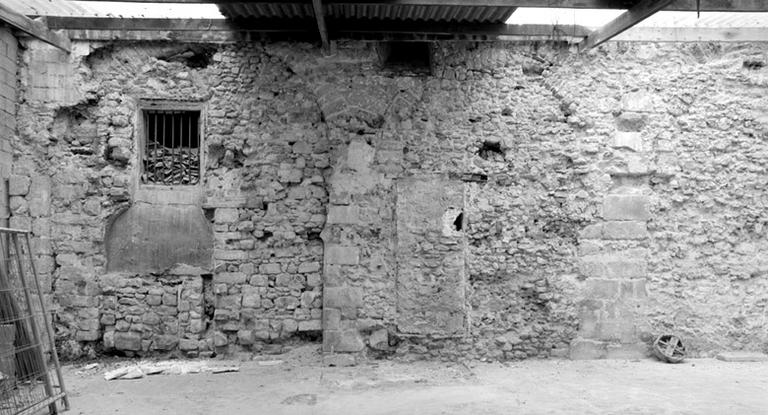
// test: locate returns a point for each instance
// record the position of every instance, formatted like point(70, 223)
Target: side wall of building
point(507, 201)
point(9, 51)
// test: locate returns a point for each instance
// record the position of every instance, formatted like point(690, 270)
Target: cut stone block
point(379, 339)
point(602, 289)
point(18, 185)
point(626, 207)
point(130, 341)
point(629, 140)
point(582, 349)
point(343, 297)
point(612, 267)
point(343, 215)
point(342, 255)
point(342, 341)
point(631, 121)
point(617, 230)
point(627, 351)
point(340, 360)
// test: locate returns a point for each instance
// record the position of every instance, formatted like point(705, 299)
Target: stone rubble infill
point(141, 369)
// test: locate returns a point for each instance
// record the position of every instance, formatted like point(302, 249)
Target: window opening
point(171, 153)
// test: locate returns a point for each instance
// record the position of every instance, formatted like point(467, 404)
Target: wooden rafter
point(317, 7)
point(676, 5)
point(34, 28)
point(224, 31)
point(631, 17)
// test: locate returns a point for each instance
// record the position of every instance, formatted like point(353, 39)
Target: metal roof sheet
point(48, 8)
point(400, 12)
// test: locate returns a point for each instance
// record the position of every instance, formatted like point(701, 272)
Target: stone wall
point(508, 201)
point(8, 90)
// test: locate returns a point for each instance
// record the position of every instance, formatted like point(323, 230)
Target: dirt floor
point(297, 383)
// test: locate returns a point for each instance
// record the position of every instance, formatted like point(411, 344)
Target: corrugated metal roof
point(597, 18)
point(266, 10)
point(468, 14)
point(48, 8)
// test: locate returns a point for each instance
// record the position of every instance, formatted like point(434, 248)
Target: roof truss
point(631, 17)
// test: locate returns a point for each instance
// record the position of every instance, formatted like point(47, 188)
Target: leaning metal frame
point(26, 358)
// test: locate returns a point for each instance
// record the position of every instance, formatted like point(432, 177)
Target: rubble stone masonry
point(508, 201)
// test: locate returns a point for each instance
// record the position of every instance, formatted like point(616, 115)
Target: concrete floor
point(301, 385)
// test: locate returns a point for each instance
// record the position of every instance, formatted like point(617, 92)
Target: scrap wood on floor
point(141, 369)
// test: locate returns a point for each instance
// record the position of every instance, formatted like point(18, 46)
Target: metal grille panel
point(27, 353)
point(172, 147)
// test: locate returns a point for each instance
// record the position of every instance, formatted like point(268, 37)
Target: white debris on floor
point(140, 369)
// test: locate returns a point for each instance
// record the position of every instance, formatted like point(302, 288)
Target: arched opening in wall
point(413, 57)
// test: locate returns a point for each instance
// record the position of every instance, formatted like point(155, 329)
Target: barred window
point(171, 153)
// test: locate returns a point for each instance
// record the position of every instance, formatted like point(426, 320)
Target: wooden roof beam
point(631, 17)
point(676, 5)
point(317, 7)
point(225, 31)
point(34, 28)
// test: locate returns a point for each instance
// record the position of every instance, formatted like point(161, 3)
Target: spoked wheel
point(669, 348)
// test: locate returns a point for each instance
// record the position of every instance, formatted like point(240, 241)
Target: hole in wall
point(458, 223)
point(196, 56)
point(491, 150)
point(209, 214)
point(754, 63)
point(209, 299)
point(407, 56)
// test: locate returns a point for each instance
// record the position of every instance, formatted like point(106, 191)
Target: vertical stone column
point(613, 253)
point(353, 189)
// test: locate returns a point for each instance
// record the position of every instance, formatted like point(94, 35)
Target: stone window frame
point(169, 105)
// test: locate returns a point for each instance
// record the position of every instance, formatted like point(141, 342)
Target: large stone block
point(310, 325)
point(343, 215)
point(270, 269)
point(331, 318)
point(631, 121)
point(226, 215)
point(229, 278)
point(129, 341)
point(379, 339)
point(39, 196)
point(626, 207)
point(308, 267)
point(251, 297)
point(617, 230)
point(633, 288)
point(342, 255)
point(612, 267)
point(165, 342)
point(18, 185)
point(627, 351)
point(343, 297)
point(583, 349)
point(602, 289)
point(628, 140)
point(342, 341)
point(638, 101)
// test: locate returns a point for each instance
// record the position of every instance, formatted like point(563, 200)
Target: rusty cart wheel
point(669, 348)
